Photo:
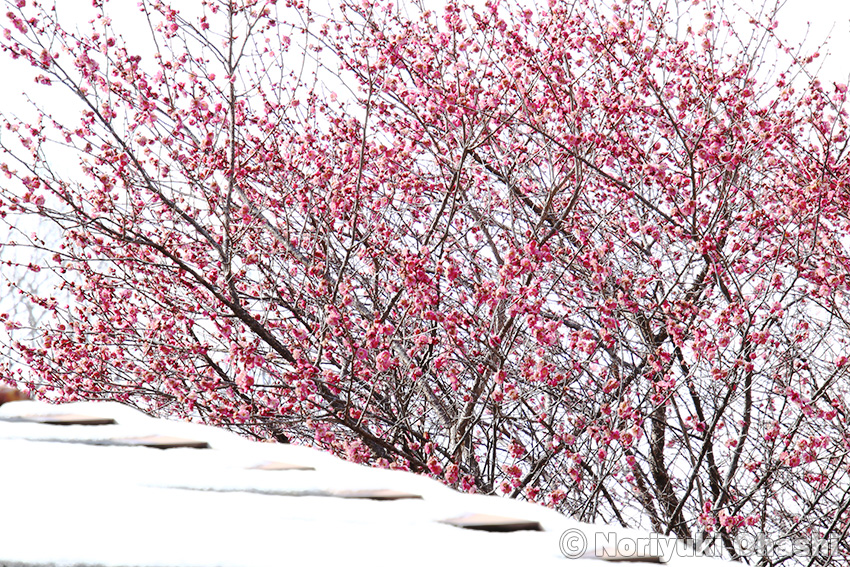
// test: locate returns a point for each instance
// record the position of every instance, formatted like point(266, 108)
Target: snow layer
point(67, 501)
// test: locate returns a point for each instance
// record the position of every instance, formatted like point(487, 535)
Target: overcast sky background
point(820, 18)
point(812, 20)
point(799, 20)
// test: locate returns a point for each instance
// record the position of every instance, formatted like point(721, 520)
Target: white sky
point(813, 20)
point(819, 19)
point(798, 19)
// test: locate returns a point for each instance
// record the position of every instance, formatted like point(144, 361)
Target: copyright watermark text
point(577, 543)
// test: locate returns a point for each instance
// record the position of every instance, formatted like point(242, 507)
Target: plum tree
point(590, 256)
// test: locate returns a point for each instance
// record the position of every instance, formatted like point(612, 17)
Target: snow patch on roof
point(80, 495)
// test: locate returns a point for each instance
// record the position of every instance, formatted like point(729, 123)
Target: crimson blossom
point(591, 257)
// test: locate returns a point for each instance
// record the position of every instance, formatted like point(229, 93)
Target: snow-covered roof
point(100, 494)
